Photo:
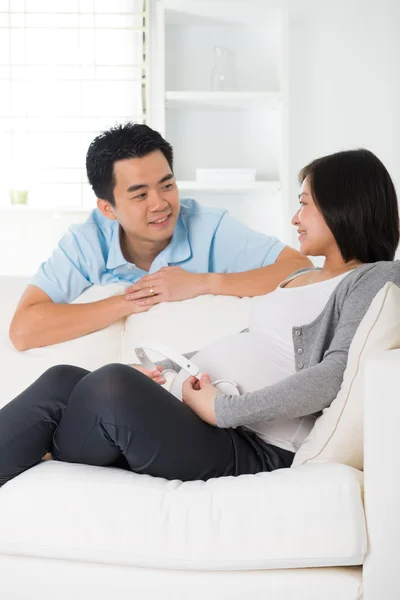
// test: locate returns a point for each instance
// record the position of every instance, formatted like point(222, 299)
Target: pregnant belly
point(250, 359)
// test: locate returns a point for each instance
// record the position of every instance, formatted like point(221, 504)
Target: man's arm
point(257, 281)
point(44, 315)
point(253, 263)
point(171, 284)
point(38, 321)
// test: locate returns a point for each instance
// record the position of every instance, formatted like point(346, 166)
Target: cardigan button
point(297, 332)
point(300, 351)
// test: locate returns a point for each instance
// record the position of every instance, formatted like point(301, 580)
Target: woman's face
point(315, 237)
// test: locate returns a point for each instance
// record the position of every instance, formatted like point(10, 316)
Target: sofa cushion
point(91, 581)
point(310, 516)
point(338, 433)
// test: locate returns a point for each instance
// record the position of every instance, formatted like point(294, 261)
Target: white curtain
point(68, 69)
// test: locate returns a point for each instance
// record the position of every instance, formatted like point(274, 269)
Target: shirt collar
point(178, 249)
point(115, 256)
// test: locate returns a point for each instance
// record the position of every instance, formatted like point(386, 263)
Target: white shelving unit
point(268, 187)
point(244, 127)
point(222, 100)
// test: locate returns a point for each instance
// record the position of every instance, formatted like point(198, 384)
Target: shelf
point(266, 187)
point(223, 100)
point(214, 12)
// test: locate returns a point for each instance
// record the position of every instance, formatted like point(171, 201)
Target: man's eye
point(168, 186)
point(140, 196)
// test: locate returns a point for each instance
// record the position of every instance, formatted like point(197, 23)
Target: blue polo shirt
point(205, 240)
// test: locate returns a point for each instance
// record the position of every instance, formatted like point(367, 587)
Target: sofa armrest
point(381, 578)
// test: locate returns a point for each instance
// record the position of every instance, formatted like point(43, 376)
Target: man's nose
point(156, 201)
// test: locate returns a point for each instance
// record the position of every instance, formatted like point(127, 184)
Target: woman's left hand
point(200, 396)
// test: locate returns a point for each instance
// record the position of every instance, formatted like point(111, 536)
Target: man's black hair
point(131, 140)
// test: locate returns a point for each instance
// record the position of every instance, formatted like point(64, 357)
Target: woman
point(118, 416)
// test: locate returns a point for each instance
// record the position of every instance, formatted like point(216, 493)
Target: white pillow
point(338, 433)
point(91, 351)
point(186, 325)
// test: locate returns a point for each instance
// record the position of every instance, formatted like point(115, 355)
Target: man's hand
point(154, 375)
point(200, 396)
point(169, 284)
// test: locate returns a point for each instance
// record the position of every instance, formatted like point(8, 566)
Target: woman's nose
point(295, 219)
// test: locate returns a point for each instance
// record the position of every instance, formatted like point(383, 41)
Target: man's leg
point(28, 422)
point(118, 411)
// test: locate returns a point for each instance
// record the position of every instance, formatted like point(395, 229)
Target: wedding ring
point(152, 293)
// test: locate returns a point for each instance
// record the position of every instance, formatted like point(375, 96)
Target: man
point(141, 235)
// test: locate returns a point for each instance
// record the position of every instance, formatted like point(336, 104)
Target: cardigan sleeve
point(310, 390)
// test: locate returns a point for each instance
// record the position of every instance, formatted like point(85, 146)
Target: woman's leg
point(117, 411)
point(28, 422)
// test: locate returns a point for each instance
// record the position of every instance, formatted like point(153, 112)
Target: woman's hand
point(154, 375)
point(200, 396)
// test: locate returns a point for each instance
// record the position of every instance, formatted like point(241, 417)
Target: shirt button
point(130, 267)
point(300, 351)
point(297, 332)
point(300, 366)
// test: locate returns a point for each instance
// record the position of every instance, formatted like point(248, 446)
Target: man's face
point(146, 197)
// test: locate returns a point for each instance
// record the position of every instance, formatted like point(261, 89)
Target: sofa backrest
point(186, 326)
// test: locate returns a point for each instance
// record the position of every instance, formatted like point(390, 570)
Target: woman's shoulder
point(368, 275)
point(378, 270)
point(301, 272)
point(371, 277)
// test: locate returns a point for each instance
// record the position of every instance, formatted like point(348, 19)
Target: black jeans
point(116, 416)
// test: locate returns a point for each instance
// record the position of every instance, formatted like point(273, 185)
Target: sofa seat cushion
point(308, 516)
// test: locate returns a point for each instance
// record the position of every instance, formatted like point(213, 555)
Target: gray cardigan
point(320, 347)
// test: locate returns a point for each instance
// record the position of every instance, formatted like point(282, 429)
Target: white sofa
point(310, 532)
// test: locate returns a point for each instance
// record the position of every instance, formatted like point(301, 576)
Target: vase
point(223, 75)
point(19, 196)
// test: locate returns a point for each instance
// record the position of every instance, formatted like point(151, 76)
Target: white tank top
point(274, 315)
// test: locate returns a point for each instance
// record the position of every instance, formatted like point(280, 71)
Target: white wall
point(344, 63)
point(28, 237)
point(344, 92)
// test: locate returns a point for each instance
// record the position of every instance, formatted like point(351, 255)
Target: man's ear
point(106, 209)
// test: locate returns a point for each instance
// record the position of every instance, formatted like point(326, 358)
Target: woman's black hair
point(357, 198)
